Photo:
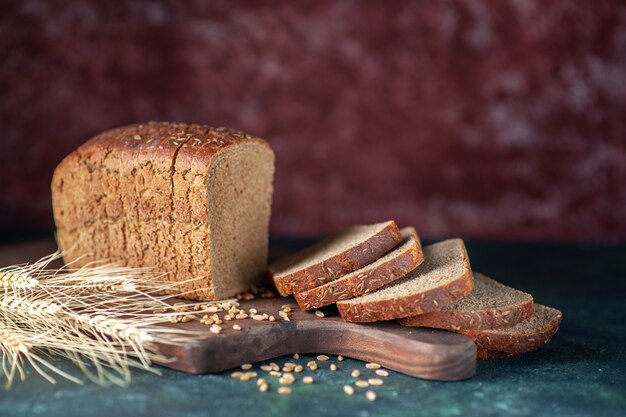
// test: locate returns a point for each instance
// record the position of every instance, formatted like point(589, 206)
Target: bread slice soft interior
point(444, 277)
point(239, 197)
point(490, 305)
point(334, 257)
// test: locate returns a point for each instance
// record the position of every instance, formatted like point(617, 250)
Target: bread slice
point(490, 305)
point(188, 200)
point(444, 277)
point(334, 257)
point(524, 337)
point(491, 354)
point(389, 268)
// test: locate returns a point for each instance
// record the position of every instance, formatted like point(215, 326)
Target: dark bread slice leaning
point(392, 266)
point(334, 257)
point(524, 337)
point(444, 277)
point(491, 305)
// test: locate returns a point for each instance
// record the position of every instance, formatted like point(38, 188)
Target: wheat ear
point(101, 316)
point(17, 347)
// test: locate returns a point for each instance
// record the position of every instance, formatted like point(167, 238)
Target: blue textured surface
point(581, 373)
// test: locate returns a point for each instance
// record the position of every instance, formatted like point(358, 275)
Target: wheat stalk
point(103, 317)
point(17, 347)
point(103, 342)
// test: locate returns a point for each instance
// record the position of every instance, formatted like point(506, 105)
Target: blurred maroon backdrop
point(490, 119)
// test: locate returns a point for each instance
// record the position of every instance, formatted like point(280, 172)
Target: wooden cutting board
point(423, 353)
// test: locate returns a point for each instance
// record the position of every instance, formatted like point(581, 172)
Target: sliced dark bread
point(334, 257)
point(384, 270)
point(444, 277)
point(491, 305)
point(491, 354)
point(524, 337)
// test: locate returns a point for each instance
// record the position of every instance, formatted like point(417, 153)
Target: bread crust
point(455, 320)
point(355, 284)
point(411, 304)
point(148, 237)
point(356, 257)
point(496, 318)
point(491, 354)
point(515, 343)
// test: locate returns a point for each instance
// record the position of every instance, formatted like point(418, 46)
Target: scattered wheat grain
point(287, 379)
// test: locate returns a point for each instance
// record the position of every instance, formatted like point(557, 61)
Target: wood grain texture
point(423, 353)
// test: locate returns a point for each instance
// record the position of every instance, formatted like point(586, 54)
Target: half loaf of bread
point(334, 257)
point(444, 277)
point(190, 201)
point(395, 264)
point(490, 305)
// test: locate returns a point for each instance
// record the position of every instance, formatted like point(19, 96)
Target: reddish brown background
point(490, 119)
